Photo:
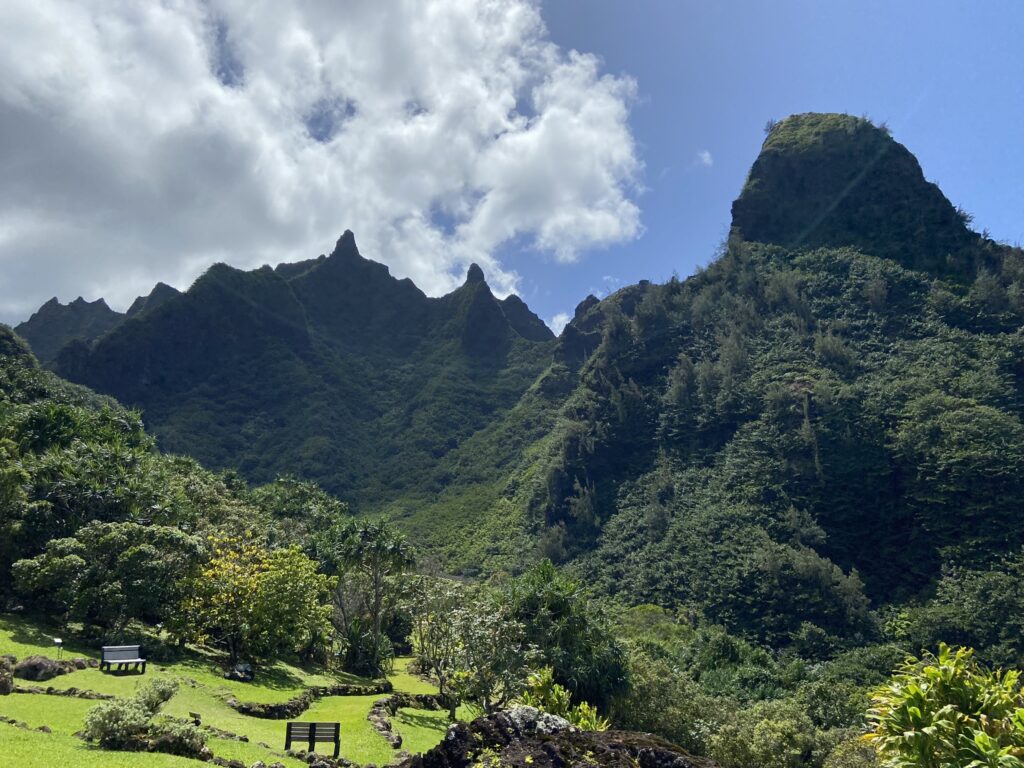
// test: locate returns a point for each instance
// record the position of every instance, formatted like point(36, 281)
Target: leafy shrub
point(117, 724)
point(854, 752)
point(545, 694)
point(177, 738)
point(156, 693)
point(571, 632)
point(663, 699)
point(770, 734)
point(832, 703)
point(948, 711)
point(124, 723)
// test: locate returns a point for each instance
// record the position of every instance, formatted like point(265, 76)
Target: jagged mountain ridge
point(329, 368)
point(54, 325)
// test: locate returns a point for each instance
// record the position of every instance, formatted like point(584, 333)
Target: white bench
point(122, 655)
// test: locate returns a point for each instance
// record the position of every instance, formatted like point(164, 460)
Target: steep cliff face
point(161, 293)
point(755, 444)
point(835, 180)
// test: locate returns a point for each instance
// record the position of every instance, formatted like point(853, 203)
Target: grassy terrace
point(204, 691)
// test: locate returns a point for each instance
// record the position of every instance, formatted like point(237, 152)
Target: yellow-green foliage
point(949, 711)
point(256, 601)
point(544, 693)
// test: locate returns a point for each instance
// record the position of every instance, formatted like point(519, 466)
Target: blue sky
point(567, 146)
point(947, 77)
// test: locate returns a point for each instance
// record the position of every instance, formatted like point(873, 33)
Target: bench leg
point(287, 743)
point(143, 667)
point(337, 749)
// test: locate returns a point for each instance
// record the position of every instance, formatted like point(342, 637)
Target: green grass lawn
point(422, 729)
point(406, 682)
point(202, 690)
point(30, 749)
point(64, 715)
point(359, 742)
point(22, 638)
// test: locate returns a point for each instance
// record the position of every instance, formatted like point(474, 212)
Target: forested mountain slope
point(826, 418)
point(330, 368)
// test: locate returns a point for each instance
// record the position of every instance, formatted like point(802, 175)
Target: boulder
point(243, 673)
point(40, 668)
point(6, 674)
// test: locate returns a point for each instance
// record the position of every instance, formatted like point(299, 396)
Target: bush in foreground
point(127, 723)
point(948, 711)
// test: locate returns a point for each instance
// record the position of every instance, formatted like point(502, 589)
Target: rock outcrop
point(831, 180)
point(524, 737)
point(40, 668)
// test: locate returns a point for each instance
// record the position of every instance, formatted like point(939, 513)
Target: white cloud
point(559, 321)
point(144, 141)
point(704, 158)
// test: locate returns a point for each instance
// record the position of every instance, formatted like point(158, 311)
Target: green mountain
point(828, 416)
point(331, 369)
point(825, 420)
point(54, 325)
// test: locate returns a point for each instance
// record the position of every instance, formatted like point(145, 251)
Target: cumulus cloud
point(144, 141)
point(559, 321)
point(704, 158)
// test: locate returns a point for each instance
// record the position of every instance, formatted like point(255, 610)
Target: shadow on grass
point(124, 672)
point(437, 721)
point(274, 677)
point(29, 634)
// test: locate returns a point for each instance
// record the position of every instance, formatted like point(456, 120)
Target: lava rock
point(524, 737)
point(243, 673)
point(40, 668)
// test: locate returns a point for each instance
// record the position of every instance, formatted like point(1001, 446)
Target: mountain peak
point(832, 180)
point(347, 239)
point(161, 293)
point(346, 246)
point(475, 274)
point(54, 324)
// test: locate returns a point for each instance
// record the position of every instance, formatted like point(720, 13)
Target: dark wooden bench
point(311, 733)
point(122, 655)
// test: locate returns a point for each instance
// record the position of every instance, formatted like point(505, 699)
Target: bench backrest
point(120, 652)
point(314, 731)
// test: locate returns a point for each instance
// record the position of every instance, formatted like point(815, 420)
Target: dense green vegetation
point(723, 509)
point(330, 369)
